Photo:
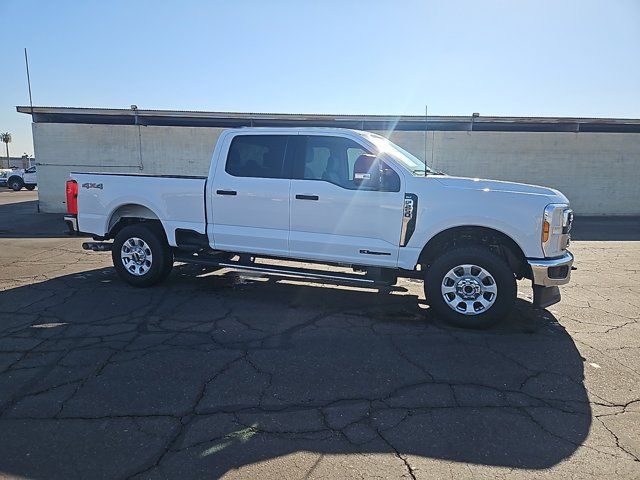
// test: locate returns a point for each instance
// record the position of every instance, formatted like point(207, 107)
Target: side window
point(256, 156)
point(30, 170)
point(352, 155)
point(316, 161)
point(327, 158)
point(336, 160)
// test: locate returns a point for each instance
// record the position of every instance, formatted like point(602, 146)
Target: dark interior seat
point(332, 173)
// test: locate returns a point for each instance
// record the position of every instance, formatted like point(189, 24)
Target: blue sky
point(496, 57)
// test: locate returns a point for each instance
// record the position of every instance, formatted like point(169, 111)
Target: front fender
point(518, 217)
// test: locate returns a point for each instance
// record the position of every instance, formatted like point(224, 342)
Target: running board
point(282, 271)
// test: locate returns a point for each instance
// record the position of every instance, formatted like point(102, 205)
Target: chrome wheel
point(469, 289)
point(136, 256)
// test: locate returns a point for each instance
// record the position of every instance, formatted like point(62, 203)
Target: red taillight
point(72, 197)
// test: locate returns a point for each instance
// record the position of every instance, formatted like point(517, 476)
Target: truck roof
point(301, 129)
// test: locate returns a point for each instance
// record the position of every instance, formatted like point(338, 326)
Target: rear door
point(250, 196)
point(335, 219)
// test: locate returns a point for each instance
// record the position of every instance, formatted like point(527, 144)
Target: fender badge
point(92, 185)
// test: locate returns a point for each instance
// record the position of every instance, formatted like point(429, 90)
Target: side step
point(295, 272)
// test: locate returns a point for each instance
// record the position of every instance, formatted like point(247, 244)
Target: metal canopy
point(109, 116)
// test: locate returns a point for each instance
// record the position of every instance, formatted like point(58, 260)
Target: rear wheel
point(15, 183)
point(470, 287)
point(141, 255)
point(30, 187)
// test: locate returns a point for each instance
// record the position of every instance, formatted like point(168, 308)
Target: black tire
point(30, 187)
point(15, 184)
point(156, 243)
point(498, 269)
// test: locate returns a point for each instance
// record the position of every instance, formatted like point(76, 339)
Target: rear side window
point(257, 156)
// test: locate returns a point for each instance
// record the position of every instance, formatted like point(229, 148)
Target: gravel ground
point(216, 374)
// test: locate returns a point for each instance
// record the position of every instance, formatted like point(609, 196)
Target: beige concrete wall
point(18, 162)
point(599, 172)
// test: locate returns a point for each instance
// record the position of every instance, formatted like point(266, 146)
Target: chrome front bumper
point(552, 271)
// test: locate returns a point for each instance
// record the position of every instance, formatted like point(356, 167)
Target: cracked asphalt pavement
point(219, 374)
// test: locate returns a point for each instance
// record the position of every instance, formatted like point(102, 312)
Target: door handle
point(307, 197)
point(226, 192)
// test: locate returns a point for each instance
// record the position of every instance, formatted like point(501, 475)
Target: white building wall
point(599, 172)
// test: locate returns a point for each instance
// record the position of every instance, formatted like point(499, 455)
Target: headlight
point(556, 224)
point(567, 220)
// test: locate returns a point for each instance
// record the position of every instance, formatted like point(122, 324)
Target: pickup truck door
point(29, 176)
point(333, 217)
point(250, 196)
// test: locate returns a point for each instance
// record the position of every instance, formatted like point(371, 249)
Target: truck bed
point(178, 201)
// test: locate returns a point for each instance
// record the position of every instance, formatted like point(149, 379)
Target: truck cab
point(313, 196)
point(337, 197)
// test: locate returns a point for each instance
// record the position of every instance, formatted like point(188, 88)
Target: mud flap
point(544, 297)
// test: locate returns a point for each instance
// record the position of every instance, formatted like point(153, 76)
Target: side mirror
point(367, 173)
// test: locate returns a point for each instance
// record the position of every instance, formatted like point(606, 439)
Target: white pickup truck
point(22, 178)
point(334, 197)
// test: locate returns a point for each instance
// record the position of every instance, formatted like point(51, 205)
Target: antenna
point(26, 62)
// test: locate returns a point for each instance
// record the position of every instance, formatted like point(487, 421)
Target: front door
point(333, 217)
point(250, 198)
point(29, 176)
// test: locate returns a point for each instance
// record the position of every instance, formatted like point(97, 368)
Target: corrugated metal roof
point(117, 116)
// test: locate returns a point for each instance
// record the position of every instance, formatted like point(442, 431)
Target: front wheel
point(470, 287)
point(30, 187)
point(15, 184)
point(141, 255)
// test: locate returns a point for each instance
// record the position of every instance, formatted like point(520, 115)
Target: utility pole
point(26, 63)
point(426, 123)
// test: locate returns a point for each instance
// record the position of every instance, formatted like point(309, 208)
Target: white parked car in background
point(4, 174)
point(334, 197)
point(22, 178)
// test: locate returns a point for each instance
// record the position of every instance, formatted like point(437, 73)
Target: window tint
point(332, 159)
point(352, 155)
point(328, 158)
point(316, 162)
point(256, 156)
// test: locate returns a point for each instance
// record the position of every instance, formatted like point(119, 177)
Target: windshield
point(406, 159)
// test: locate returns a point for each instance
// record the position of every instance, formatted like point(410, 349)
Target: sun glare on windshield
point(406, 159)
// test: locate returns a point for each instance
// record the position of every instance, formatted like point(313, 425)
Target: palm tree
point(6, 138)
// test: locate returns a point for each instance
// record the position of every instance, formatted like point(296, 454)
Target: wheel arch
point(15, 177)
point(465, 235)
point(127, 214)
